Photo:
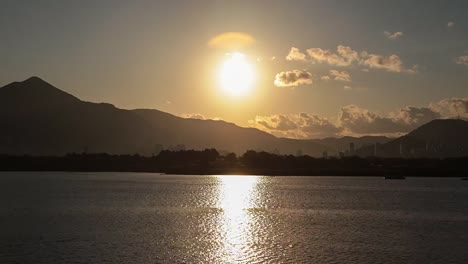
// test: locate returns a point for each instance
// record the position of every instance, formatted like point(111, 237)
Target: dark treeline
point(209, 161)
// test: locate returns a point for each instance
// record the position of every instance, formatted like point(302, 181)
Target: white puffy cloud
point(391, 63)
point(394, 35)
point(462, 60)
point(348, 53)
point(295, 55)
point(345, 56)
point(293, 78)
point(340, 76)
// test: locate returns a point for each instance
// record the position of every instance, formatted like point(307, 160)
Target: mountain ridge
point(439, 138)
point(40, 119)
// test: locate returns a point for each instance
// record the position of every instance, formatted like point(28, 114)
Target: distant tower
point(351, 148)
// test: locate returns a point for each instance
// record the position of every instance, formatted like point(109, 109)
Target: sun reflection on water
point(236, 195)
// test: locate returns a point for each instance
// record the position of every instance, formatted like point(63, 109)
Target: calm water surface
point(149, 218)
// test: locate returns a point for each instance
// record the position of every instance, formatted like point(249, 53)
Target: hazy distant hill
point(39, 119)
point(438, 138)
point(335, 145)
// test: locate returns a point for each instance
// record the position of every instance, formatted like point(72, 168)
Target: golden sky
point(293, 68)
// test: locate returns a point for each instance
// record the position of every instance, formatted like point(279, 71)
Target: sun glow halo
point(236, 75)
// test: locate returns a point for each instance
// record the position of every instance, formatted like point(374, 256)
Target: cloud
point(340, 76)
point(352, 120)
point(450, 24)
point(295, 55)
point(231, 40)
point(391, 63)
point(393, 36)
point(451, 107)
point(325, 78)
point(300, 125)
point(276, 122)
point(293, 78)
point(358, 121)
point(348, 53)
point(415, 116)
point(347, 88)
point(462, 60)
point(193, 116)
point(345, 56)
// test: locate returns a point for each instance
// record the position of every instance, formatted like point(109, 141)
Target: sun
point(236, 76)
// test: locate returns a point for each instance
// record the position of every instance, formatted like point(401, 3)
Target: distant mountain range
point(39, 119)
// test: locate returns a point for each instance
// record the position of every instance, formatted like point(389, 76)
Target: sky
point(320, 68)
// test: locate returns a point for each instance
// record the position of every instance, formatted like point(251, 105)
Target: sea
point(65, 217)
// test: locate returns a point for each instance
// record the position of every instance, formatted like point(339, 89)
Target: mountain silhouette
point(439, 138)
point(39, 119)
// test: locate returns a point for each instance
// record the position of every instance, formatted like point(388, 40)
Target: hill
point(39, 119)
point(439, 138)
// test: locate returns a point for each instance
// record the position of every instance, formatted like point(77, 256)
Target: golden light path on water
point(236, 196)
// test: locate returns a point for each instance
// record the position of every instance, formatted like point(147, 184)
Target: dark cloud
point(451, 107)
point(300, 125)
point(391, 63)
point(293, 78)
point(276, 122)
point(358, 121)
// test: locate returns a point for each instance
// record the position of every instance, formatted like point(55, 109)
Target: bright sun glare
point(236, 75)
